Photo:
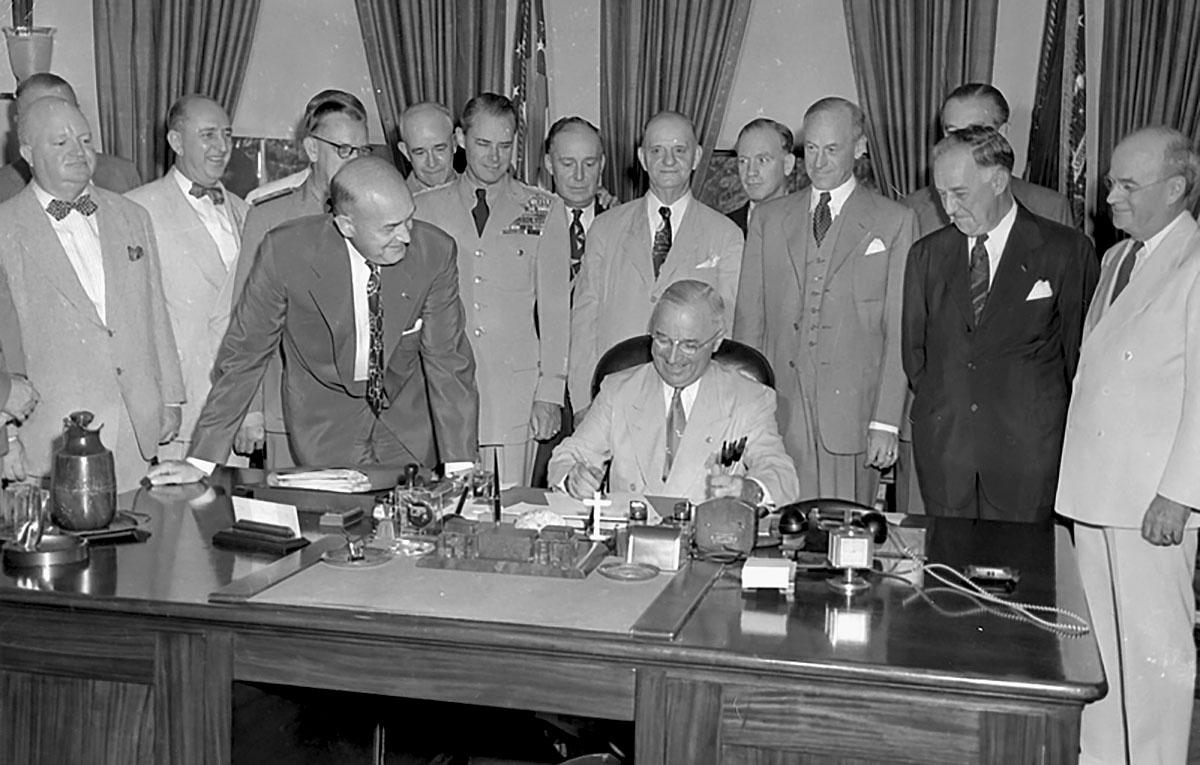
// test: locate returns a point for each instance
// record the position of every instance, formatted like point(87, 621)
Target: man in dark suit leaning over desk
point(993, 315)
point(358, 300)
point(663, 424)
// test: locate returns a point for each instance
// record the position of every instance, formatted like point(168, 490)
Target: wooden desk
point(128, 661)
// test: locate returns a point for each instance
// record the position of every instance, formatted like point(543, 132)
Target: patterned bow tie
point(60, 209)
point(215, 193)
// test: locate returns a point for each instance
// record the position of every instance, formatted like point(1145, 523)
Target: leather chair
point(636, 350)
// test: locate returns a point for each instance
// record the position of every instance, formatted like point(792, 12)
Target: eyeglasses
point(1129, 187)
point(664, 344)
point(344, 150)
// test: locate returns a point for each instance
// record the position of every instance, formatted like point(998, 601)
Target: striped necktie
point(662, 240)
point(980, 276)
point(376, 398)
point(676, 423)
point(822, 218)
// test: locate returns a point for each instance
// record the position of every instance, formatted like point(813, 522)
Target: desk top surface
point(890, 633)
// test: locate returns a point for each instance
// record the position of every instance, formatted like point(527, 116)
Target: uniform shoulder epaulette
point(281, 193)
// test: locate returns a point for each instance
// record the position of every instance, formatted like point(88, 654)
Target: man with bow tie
point(197, 224)
point(84, 299)
point(993, 315)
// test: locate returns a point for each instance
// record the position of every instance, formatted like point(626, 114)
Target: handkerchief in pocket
point(1040, 291)
point(416, 327)
point(875, 246)
point(711, 262)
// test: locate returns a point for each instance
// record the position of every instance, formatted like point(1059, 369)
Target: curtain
point(1148, 75)
point(664, 54)
point(907, 56)
point(1057, 137)
point(151, 52)
point(436, 50)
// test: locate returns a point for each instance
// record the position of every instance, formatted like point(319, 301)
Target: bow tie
point(60, 209)
point(215, 193)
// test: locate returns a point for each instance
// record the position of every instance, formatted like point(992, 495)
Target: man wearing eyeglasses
point(993, 315)
point(1129, 474)
point(334, 131)
point(764, 162)
point(197, 224)
point(663, 424)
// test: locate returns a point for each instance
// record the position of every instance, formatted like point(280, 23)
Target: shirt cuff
point(895, 431)
point(203, 465)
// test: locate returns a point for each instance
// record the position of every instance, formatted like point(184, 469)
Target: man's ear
point(175, 141)
point(696, 161)
point(460, 138)
point(641, 155)
point(789, 164)
point(1002, 129)
point(345, 225)
point(403, 147)
point(860, 146)
point(1176, 188)
point(310, 148)
point(548, 163)
point(27, 154)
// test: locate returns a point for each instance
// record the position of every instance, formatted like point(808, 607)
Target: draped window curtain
point(907, 56)
point(445, 51)
point(664, 54)
point(151, 52)
point(1148, 76)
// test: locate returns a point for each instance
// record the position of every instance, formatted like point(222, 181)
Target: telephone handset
point(813, 519)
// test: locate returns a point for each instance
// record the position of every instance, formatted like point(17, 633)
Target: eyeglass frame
point(662, 341)
point(344, 150)
point(1129, 188)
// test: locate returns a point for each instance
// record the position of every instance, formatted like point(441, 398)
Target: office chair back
point(636, 350)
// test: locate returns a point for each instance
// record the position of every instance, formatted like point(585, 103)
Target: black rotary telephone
point(807, 524)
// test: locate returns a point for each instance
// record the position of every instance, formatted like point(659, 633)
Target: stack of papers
point(341, 480)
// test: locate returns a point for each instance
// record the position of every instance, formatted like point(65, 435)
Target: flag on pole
point(530, 94)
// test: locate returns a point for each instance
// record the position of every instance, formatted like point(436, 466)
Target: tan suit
point(828, 320)
point(508, 278)
point(197, 285)
point(125, 369)
point(616, 289)
point(627, 423)
point(1133, 431)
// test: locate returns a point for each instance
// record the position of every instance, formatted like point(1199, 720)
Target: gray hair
point(692, 293)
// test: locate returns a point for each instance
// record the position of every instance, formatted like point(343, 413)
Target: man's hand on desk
point(174, 472)
point(722, 485)
point(1164, 521)
point(252, 435)
point(172, 418)
point(584, 481)
point(881, 448)
point(545, 419)
point(22, 398)
point(14, 461)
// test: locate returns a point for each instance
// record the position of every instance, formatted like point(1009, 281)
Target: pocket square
point(875, 246)
point(135, 252)
point(1041, 290)
point(415, 327)
point(711, 262)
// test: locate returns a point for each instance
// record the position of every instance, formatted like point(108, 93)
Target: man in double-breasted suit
point(993, 315)
point(197, 224)
point(85, 295)
point(638, 249)
point(820, 295)
point(349, 392)
point(514, 278)
point(1129, 474)
point(631, 421)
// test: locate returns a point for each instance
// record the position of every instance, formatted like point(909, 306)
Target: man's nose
point(577, 173)
point(430, 160)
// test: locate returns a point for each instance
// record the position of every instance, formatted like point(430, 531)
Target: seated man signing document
point(663, 424)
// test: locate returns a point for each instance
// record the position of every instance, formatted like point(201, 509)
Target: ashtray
point(628, 572)
point(372, 556)
point(52, 550)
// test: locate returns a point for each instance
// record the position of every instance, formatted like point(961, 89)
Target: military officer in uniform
point(512, 273)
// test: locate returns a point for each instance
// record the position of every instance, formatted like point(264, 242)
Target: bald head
point(427, 139)
point(43, 84)
point(373, 208)
point(669, 153)
point(1151, 178)
point(56, 141)
point(199, 133)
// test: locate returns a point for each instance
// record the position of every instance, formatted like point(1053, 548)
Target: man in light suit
point(333, 131)
point(638, 249)
point(1129, 473)
point(662, 424)
point(993, 315)
point(515, 283)
point(821, 287)
point(196, 225)
point(17, 401)
point(318, 289)
point(977, 103)
point(427, 141)
point(84, 296)
point(112, 172)
point(764, 163)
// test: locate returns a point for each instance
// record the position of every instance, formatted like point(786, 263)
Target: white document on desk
point(247, 509)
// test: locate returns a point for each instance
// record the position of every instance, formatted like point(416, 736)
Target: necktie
point(215, 193)
point(662, 240)
point(822, 218)
point(1127, 264)
point(60, 209)
point(578, 241)
point(676, 423)
point(375, 395)
point(480, 211)
point(980, 276)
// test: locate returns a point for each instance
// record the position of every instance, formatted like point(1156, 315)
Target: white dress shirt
point(360, 272)
point(589, 215)
point(997, 238)
point(216, 218)
point(79, 235)
point(837, 196)
point(1148, 248)
point(678, 208)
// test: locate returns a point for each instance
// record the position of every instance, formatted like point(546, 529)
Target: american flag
point(529, 93)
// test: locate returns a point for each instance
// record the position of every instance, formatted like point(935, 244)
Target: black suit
point(990, 401)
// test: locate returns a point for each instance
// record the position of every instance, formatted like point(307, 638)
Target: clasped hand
point(1165, 521)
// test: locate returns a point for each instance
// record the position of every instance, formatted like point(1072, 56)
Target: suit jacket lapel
point(114, 249)
point(398, 282)
point(852, 228)
point(647, 426)
point(204, 251)
point(1012, 282)
point(683, 243)
point(637, 238)
point(797, 229)
point(331, 291)
point(703, 426)
point(1140, 292)
point(46, 253)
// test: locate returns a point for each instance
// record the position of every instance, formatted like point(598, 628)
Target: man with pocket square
point(993, 316)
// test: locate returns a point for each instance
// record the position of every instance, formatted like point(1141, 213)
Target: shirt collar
point(678, 208)
point(837, 196)
point(185, 183)
point(998, 236)
point(1157, 239)
point(44, 197)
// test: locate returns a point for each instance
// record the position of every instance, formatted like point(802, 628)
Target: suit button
point(632, 487)
point(792, 363)
point(118, 370)
point(1099, 433)
point(475, 306)
point(479, 253)
point(971, 365)
point(1128, 355)
point(110, 333)
point(796, 325)
point(478, 279)
point(974, 407)
point(479, 331)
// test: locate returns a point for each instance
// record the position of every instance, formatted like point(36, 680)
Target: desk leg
point(677, 720)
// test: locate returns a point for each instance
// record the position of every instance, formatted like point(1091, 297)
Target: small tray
point(125, 527)
point(372, 557)
point(628, 572)
point(53, 550)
